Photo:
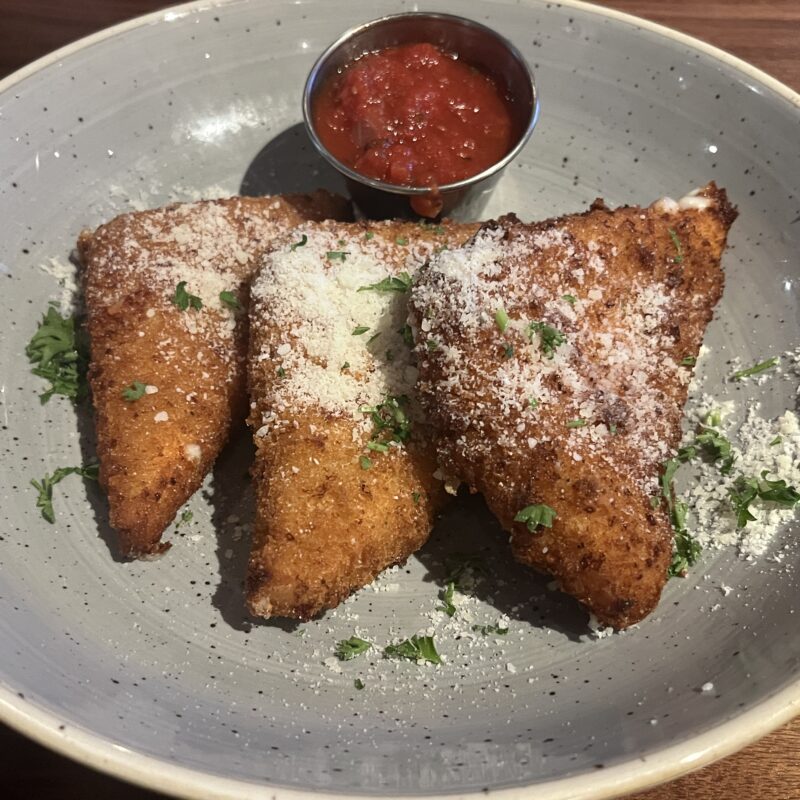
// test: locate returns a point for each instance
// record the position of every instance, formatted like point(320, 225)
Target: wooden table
point(764, 32)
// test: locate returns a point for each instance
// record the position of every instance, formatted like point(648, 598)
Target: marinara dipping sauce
point(413, 115)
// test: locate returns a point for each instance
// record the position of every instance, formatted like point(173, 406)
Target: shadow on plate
point(468, 537)
point(289, 163)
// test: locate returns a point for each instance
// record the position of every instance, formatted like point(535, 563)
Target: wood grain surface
point(763, 32)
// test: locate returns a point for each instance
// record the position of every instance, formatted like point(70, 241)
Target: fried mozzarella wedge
point(166, 296)
point(344, 472)
point(554, 360)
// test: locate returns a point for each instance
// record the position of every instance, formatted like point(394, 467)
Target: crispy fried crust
point(155, 451)
point(632, 290)
point(326, 526)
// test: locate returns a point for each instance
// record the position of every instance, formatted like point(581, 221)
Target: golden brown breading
point(155, 450)
point(324, 358)
point(581, 424)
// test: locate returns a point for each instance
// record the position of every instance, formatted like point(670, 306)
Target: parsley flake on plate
point(358, 684)
point(490, 630)
point(688, 361)
point(336, 255)
point(359, 329)
point(446, 596)
point(746, 491)
point(756, 369)
point(44, 502)
point(365, 462)
point(570, 298)
point(536, 515)
point(417, 648)
point(134, 392)
point(60, 352)
point(577, 423)
point(686, 549)
point(348, 649)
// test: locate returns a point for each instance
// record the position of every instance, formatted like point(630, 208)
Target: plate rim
point(635, 774)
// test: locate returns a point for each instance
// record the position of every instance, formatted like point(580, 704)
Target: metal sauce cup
point(476, 45)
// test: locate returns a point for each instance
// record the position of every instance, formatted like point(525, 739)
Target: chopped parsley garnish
point(336, 255)
point(280, 372)
point(438, 230)
point(393, 283)
point(776, 440)
point(184, 300)
point(348, 649)
point(60, 351)
point(302, 243)
point(712, 444)
point(369, 235)
point(612, 428)
point(408, 336)
point(446, 596)
point(44, 502)
point(365, 462)
point(688, 361)
point(549, 337)
point(359, 329)
point(378, 447)
point(536, 515)
point(755, 369)
point(186, 517)
point(501, 319)
point(390, 421)
point(401, 240)
point(570, 298)
point(373, 337)
point(508, 351)
point(230, 300)
point(432, 345)
point(686, 549)
point(717, 447)
point(655, 502)
point(417, 648)
point(678, 259)
point(358, 683)
point(746, 490)
point(577, 423)
point(488, 630)
point(134, 392)
point(415, 497)
point(345, 366)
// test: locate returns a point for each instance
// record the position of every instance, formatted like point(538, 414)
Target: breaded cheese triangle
point(344, 470)
point(554, 361)
point(166, 299)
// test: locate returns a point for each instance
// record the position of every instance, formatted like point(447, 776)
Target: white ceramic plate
point(151, 670)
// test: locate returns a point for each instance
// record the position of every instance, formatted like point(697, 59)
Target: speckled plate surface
point(151, 670)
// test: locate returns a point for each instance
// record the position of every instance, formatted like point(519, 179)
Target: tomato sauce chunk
point(413, 115)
